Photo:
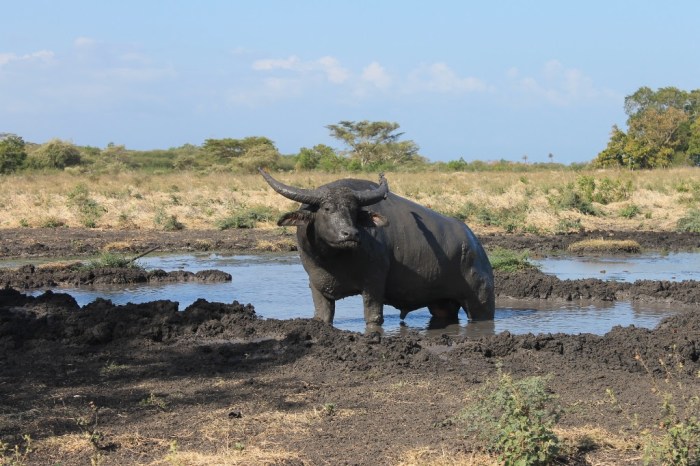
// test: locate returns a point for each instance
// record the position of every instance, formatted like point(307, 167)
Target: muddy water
point(278, 288)
point(672, 266)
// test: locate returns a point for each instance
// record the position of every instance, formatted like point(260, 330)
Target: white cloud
point(269, 64)
point(440, 78)
point(327, 66)
point(335, 73)
point(297, 76)
point(559, 85)
point(376, 75)
point(83, 42)
point(42, 56)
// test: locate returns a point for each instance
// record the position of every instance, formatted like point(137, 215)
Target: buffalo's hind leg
point(324, 308)
point(480, 309)
point(444, 309)
point(444, 312)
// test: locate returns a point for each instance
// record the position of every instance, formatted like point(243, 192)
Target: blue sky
point(479, 80)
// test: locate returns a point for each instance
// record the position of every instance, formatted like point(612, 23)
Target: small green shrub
point(167, 222)
point(690, 222)
point(111, 260)
point(51, 222)
point(630, 211)
point(247, 217)
point(571, 199)
point(515, 420)
point(679, 443)
point(566, 225)
point(90, 211)
point(509, 261)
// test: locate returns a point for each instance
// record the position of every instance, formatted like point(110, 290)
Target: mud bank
point(76, 274)
point(122, 383)
point(76, 242)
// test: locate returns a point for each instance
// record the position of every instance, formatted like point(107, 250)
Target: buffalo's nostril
point(350, 235)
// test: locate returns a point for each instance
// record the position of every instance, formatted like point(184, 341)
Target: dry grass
point(135, 200)
point(608, 246)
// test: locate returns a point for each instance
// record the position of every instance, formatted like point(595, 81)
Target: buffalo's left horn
point(375, 195)
point(305, 196)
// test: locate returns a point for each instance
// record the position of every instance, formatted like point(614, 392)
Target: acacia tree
point(374, 142)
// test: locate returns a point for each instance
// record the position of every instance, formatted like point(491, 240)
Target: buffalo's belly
point(415, 299)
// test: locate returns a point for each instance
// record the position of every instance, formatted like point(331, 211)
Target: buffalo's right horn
point(377, 194)
point(305, 196)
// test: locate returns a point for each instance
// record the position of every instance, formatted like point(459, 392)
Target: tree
point(12, 153)
point(659, 129)
point(694, 143)
point(261, 155)
point(319, 156)
point(374, 142)
point(55, 154)
point(228, 148)
point(615, 154)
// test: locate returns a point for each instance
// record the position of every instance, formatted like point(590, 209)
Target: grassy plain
point(544, 201)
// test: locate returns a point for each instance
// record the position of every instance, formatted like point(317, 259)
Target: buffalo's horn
point(377, 194)
point(305, 196)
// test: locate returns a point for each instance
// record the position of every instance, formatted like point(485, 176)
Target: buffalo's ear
point(298, 218)
point(370, 218)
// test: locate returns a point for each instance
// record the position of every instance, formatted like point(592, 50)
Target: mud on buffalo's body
point(398, 253)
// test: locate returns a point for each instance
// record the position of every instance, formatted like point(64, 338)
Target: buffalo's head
point(336, 212)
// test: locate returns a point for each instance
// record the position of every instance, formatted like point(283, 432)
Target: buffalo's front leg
point(324, 308)
point(374, 309)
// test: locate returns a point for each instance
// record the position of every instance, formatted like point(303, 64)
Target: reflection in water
point(278, 288)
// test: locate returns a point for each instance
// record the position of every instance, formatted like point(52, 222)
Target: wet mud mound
point(532, 283)
point(29, 276)
point(57, 317)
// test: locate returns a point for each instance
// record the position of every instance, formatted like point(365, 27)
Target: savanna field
point(529, 201)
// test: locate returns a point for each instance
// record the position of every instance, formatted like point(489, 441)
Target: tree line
point(663, 130)
point(368, 146)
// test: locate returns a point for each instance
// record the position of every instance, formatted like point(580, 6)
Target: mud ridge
point(29, 276)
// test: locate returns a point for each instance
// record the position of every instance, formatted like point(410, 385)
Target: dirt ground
point(215, 384)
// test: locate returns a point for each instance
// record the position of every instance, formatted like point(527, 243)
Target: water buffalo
point(399, 253)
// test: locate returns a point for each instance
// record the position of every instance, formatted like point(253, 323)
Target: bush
point(570, 198)
point(690, 223)
point(247, 217)
point(90, 211)
point(54, 154)
point(514, 419)
point(679, 443)
point(12, 154)
point(629, 211)
point(509, 261)
point(167, 222)
point(111, 260)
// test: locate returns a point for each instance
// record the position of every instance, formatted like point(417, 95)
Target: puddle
point(277, 285)
point(673, 267)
